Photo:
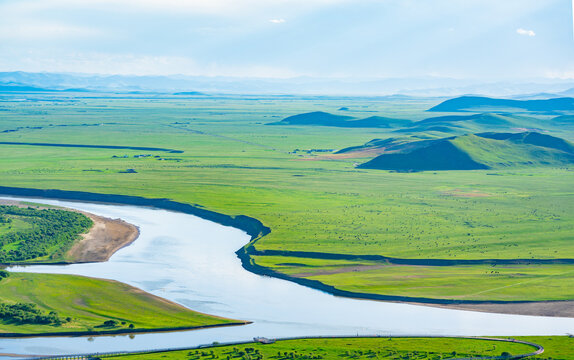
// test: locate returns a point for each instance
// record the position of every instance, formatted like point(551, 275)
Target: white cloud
point(521, 31)
point(277, 21)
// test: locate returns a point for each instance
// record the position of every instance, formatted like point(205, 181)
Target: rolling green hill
point(389, 145)
point(453, 124)
point(484, 119)
point(476, 103)
point(563, 120)
point(438, 126)
point(475, 152)
point(439, 155)
point(533, 138)
point(320, 118)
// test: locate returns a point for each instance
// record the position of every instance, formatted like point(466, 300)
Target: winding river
point(192, 261)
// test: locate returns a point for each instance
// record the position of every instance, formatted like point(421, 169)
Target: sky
point(354, 39)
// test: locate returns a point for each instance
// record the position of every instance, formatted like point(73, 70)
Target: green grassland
point(90, 302)
point(461, 282)
point(234, 164)
point(349, 348)
point(555, 347)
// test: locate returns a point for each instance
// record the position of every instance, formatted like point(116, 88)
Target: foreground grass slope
point(349, 348)
point(234, 164)
point(88, 303)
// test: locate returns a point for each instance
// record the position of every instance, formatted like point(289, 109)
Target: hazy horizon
point(469, 41)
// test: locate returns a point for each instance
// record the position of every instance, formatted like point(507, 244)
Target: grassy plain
point(457, 282)
point(234, 164)
point(349, 348)
point(89, 302)
point(555, 347)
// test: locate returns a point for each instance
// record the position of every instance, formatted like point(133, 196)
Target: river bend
point(192, 261)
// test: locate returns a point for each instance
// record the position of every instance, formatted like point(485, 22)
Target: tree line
point(28, 313)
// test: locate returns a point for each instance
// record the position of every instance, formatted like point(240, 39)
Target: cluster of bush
point(4, 274)
point(4, 219)
point(53, 232)
point(114, 323)
point(28, 313)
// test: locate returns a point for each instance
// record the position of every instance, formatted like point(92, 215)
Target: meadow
point(313, 202)
point(349, 348)
point(457, 282)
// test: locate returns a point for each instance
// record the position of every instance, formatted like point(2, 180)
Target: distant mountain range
point(472, 152)
point(21, 88)
point(422, 86)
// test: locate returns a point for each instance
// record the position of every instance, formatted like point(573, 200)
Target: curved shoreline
point(105, 237)
point(251, 226)
point(257, 230)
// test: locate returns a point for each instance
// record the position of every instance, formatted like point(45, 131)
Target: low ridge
point(474, 123)
point(440, 155)
point(320, 118)
point(472, 152)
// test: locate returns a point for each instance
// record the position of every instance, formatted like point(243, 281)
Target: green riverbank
point(84, 305)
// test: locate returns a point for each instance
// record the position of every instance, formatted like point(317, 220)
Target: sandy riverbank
point(104, 238)
point(536, 308)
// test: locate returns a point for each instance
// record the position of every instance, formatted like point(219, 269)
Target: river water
point(192, 261)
